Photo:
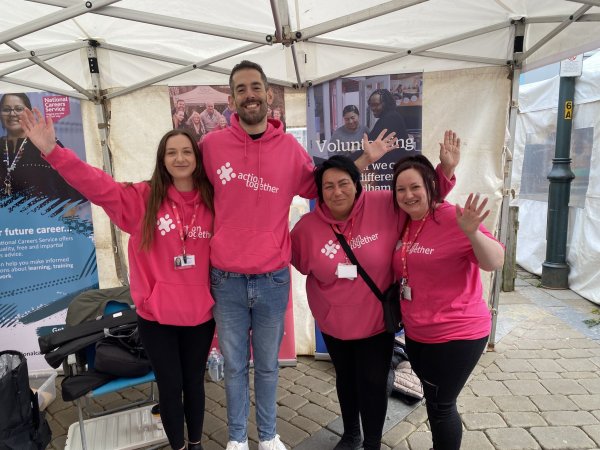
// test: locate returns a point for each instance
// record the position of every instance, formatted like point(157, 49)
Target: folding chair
point(76, 366)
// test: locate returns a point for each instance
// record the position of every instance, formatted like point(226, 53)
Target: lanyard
point(183, 235)
point(405, 244)
point(336, 229)
point(10, 167)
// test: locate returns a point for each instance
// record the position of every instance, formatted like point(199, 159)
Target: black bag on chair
point(22, 425)
point(122, 355)
point(390, 299)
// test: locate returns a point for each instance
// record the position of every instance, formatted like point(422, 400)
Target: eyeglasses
point(18, 110)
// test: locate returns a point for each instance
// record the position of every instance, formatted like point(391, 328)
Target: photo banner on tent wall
point(341, 111)
point(206, 109)
point(47, 253)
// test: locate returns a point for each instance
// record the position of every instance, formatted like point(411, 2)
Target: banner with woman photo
point(206, 109)
point(47, 253)
point(341, 111)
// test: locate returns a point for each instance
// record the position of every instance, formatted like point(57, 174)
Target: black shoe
point(349, 442)
point(197, 446)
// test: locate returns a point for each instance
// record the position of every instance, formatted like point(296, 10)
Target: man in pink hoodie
point(256, 170)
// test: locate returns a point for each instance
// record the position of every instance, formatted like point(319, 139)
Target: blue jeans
point(250, 309)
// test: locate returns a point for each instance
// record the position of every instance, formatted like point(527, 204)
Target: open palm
point(39, 131)
point(450, 151)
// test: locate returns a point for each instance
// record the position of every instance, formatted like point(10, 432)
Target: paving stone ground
point(538, 389)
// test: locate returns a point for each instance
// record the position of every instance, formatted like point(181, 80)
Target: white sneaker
point(235, 445)
point(273, 444)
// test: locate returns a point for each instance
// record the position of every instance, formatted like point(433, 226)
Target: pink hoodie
point(348, 309)
point(255, 182)
point(160, 293)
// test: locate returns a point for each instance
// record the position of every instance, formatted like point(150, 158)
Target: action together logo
point(165, 225)
point(331, 248)
point(251, 181)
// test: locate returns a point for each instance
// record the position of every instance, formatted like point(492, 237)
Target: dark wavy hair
point(337, 162)
point(20, 95)
point(350, 108)
point(245, 64)
point(161, 180)
point(386, 97)
point(422, 165)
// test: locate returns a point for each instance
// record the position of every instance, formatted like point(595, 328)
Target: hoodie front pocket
point(232, 247)
point(180, 304)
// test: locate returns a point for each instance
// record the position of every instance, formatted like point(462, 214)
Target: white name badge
point(184, 262)
point(346, 271)
point(406, 292)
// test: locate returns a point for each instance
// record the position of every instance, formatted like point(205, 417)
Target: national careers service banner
point(47, 253)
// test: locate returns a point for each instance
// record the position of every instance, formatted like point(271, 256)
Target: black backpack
point(22, 425)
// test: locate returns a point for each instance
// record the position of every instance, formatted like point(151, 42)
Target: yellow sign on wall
point(569, 110)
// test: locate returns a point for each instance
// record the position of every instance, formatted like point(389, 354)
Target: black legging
point(178, 356)
point(361, 373)
point(444, 370)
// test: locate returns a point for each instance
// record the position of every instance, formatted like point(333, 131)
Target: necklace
point(10, 167)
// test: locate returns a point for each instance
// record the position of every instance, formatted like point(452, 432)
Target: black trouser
point(178, 356)
point(444, 370)
point(361, 372)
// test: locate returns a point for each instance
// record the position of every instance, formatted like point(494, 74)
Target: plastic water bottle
point(215, 365)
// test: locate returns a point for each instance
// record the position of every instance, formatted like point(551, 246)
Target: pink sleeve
point(119, 200)
point(446, 185)
point(306, 179)
point(300, 263)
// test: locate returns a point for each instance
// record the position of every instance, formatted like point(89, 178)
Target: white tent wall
point(537, 115)
point(474, 103)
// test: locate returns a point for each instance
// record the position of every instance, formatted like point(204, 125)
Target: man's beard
point(254, 117)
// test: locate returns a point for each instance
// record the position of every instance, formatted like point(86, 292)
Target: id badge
point(182, 262)
point(346, 271)
point(406, 292)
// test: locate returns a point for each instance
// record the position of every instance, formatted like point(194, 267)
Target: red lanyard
point(405, 244)
point(336, 228)
point(183, 235)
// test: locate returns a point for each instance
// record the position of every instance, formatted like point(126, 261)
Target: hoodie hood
point(274, 129)
point(173, 195)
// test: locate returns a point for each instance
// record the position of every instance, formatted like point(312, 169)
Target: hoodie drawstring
point(259, 178)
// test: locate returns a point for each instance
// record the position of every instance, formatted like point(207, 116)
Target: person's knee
point(440, 410)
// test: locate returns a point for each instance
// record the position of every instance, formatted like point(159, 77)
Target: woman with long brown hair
point(170, 220)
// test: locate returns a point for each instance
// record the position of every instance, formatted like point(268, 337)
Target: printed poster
point(47, 252)
point(341, 111)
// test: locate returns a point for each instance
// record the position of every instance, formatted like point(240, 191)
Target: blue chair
point(116, 385)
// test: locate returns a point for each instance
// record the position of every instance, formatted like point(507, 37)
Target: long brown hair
point(161, 180)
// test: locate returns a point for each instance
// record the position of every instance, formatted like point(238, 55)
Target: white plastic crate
point(45, 385)
point(130, 429)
